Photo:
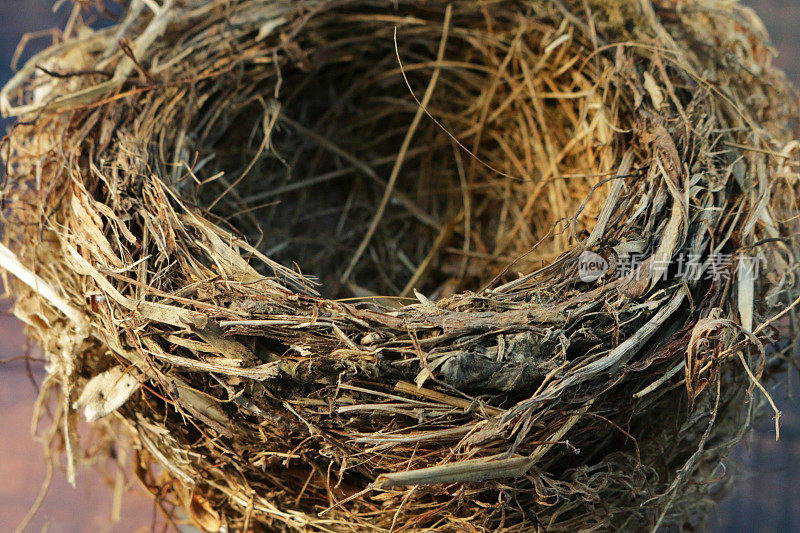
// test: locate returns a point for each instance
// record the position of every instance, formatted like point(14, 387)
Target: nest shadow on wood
point(369, 265)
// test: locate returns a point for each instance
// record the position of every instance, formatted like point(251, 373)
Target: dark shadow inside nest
point(311, 196)
point(302, 176)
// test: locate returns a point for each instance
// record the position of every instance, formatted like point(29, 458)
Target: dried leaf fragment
point(106, 392)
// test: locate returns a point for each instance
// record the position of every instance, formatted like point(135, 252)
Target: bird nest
point(373, 265)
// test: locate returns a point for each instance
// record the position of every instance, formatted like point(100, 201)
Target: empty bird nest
point(406, 265)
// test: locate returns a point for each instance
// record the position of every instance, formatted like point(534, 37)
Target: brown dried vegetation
point(435, 169)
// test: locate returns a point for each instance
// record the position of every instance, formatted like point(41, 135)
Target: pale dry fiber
point(172, 174)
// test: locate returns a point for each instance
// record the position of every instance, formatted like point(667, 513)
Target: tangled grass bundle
point(323, 265)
